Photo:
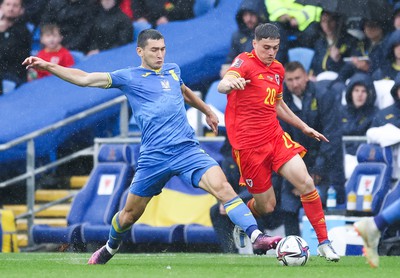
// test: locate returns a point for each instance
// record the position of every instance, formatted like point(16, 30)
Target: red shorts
point(256, 164)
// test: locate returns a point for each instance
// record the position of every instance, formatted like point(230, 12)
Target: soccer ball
point(292, 251)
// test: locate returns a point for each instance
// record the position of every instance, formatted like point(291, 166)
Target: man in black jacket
point(158, 12)
point(15, 42)
point(248, 16)
point(75, 18)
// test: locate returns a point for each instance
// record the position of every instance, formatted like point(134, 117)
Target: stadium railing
point(32, 171)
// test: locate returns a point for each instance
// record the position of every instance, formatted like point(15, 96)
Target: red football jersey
point(250, 115)
point(61, 57)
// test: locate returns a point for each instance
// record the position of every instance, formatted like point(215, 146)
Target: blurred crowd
point(61, 30)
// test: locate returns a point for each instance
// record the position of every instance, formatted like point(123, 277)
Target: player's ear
point(139, 51)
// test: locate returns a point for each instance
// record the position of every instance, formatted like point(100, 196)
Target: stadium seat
point(392, 196)
point(98, 200)
point(8, 85)
point(78, 56)
point(199, 234)
point(373, 173)
point(303, 55)
point(139, 26)
point(99, 232)
point(142, 233)
point(201, 7)
point(391, 236)
point(215, 98)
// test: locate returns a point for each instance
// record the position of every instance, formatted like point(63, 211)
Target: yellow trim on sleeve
point(233, 73)
point(109, 81)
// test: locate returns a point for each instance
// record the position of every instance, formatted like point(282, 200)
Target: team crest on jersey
point(249, 182)
point(237, 63)
point(260, 76)
point(173, 74)
point(277, 79)
point(165, 84)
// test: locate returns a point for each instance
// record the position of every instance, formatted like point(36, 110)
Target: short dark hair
point(148, 34)
point(267, 30)
point(292, 66)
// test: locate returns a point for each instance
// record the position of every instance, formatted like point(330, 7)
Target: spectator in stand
point(359, 112)
point(52, 51)
point(126, 8)
point(34, 10)
point(248, 16)
point(294, 20)
point(15, 42)
point(391, 67)
point(390, 114)
point(396, 16)
point(370, 53)
point(75, 19)
point(317, 107)
point(111, 28)
point(157, 12)
point(332, 46)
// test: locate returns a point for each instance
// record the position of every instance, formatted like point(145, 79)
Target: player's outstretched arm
point(288, 116)
point(198, 103)
point(74, 76)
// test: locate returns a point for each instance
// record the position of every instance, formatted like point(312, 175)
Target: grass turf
point(73, 265)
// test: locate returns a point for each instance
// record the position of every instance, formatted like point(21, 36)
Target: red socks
point(313, 209)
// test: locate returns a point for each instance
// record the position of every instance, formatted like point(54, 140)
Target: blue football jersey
point(157, 104)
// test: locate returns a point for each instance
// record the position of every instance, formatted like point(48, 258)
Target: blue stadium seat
point(201, 7)
point(98, 200)
point(8, 85)
point(142, 233)
point(199, 234)
point(99, 233)
point(139, 26)
point(373, 171)
point(78, 56)
point(393, 231)
point(392, 196)
point(215, 98)
point(303, 55)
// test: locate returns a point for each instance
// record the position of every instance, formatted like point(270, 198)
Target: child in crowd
point(53, 51)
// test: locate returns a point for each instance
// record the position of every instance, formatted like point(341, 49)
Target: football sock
point(241, 215)
point(250, 205)
point(313, 209)
point(116, 233)
point(254, 235)
point(388, 216)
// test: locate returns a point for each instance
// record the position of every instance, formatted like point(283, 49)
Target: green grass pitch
point(123, 265)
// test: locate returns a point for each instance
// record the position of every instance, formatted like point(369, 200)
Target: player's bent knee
point(224, 192)
point(266, 207)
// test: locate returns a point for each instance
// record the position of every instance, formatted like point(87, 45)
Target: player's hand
point(238, 83)
point(34, 62)
point(212, 121)
point(314, 134)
